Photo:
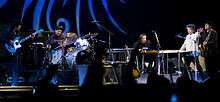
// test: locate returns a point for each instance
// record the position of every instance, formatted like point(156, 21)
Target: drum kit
point(75, 50)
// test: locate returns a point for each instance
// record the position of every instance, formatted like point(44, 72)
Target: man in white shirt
point(191, 45)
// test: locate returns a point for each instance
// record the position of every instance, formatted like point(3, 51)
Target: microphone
point(180, 35)
point(102, 41)
point(95, 21)
point(153, 31)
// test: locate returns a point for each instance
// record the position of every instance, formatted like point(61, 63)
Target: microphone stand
point(109, 38)
point(158, 55)
point(107, 30)
point(109, 46)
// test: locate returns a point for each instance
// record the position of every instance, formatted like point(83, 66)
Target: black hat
point(211, 23)
point(59, 28)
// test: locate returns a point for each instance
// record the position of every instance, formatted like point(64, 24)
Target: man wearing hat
point(56, 39)
point(208, 45)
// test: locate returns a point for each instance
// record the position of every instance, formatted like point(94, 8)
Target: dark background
point(167, 17)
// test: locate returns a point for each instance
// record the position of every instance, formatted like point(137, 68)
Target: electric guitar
point(16, 42)
point(204, 48)
point(136, 70)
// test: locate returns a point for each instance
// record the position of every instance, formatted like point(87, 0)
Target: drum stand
point(107, 30)
point(112, 69)
point(110, 76)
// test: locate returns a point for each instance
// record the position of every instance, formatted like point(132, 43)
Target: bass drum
point(84, 57)
point(78, 57)
point(81, 44)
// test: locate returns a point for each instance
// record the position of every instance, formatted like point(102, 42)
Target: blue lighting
point(64, 3)
point(48, 15)
point(41, 3)
point(82, 71)
point(37, 14)
point(54, 80)
point(78, 16)
point(91, 10)
point(66, 22)
point(173, 98)
point(104, 2)
point(2, 3)
point(90, 4)
point(26, 5)
point(123, 1)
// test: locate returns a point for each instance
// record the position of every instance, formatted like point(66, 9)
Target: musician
point(21, 53)
point(142, 42)
point(208, 45)
point(191, 45)
point(56, 42)
point(56, 39)
point(16, 31)
point(18, 55)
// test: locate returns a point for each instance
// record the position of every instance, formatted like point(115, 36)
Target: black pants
point(188, 60)
point(212, 64)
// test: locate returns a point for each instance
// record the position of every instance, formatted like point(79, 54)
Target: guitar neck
point(28, 37)
point(207, 38)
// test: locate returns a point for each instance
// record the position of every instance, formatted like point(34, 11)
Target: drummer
point(56, 39)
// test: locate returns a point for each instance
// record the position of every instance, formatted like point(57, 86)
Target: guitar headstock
point(40, 31)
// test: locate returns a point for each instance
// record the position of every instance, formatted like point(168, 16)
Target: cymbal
point(48, 32)
point(90, 35)
point(71, 34)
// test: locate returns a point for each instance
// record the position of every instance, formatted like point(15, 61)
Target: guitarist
point(136, 56)
point(22, 52)
point(208, 45)
point(19, 58)
point(16, 31)
point(15, 70)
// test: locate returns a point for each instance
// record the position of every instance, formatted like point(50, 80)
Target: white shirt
point(191, 43)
